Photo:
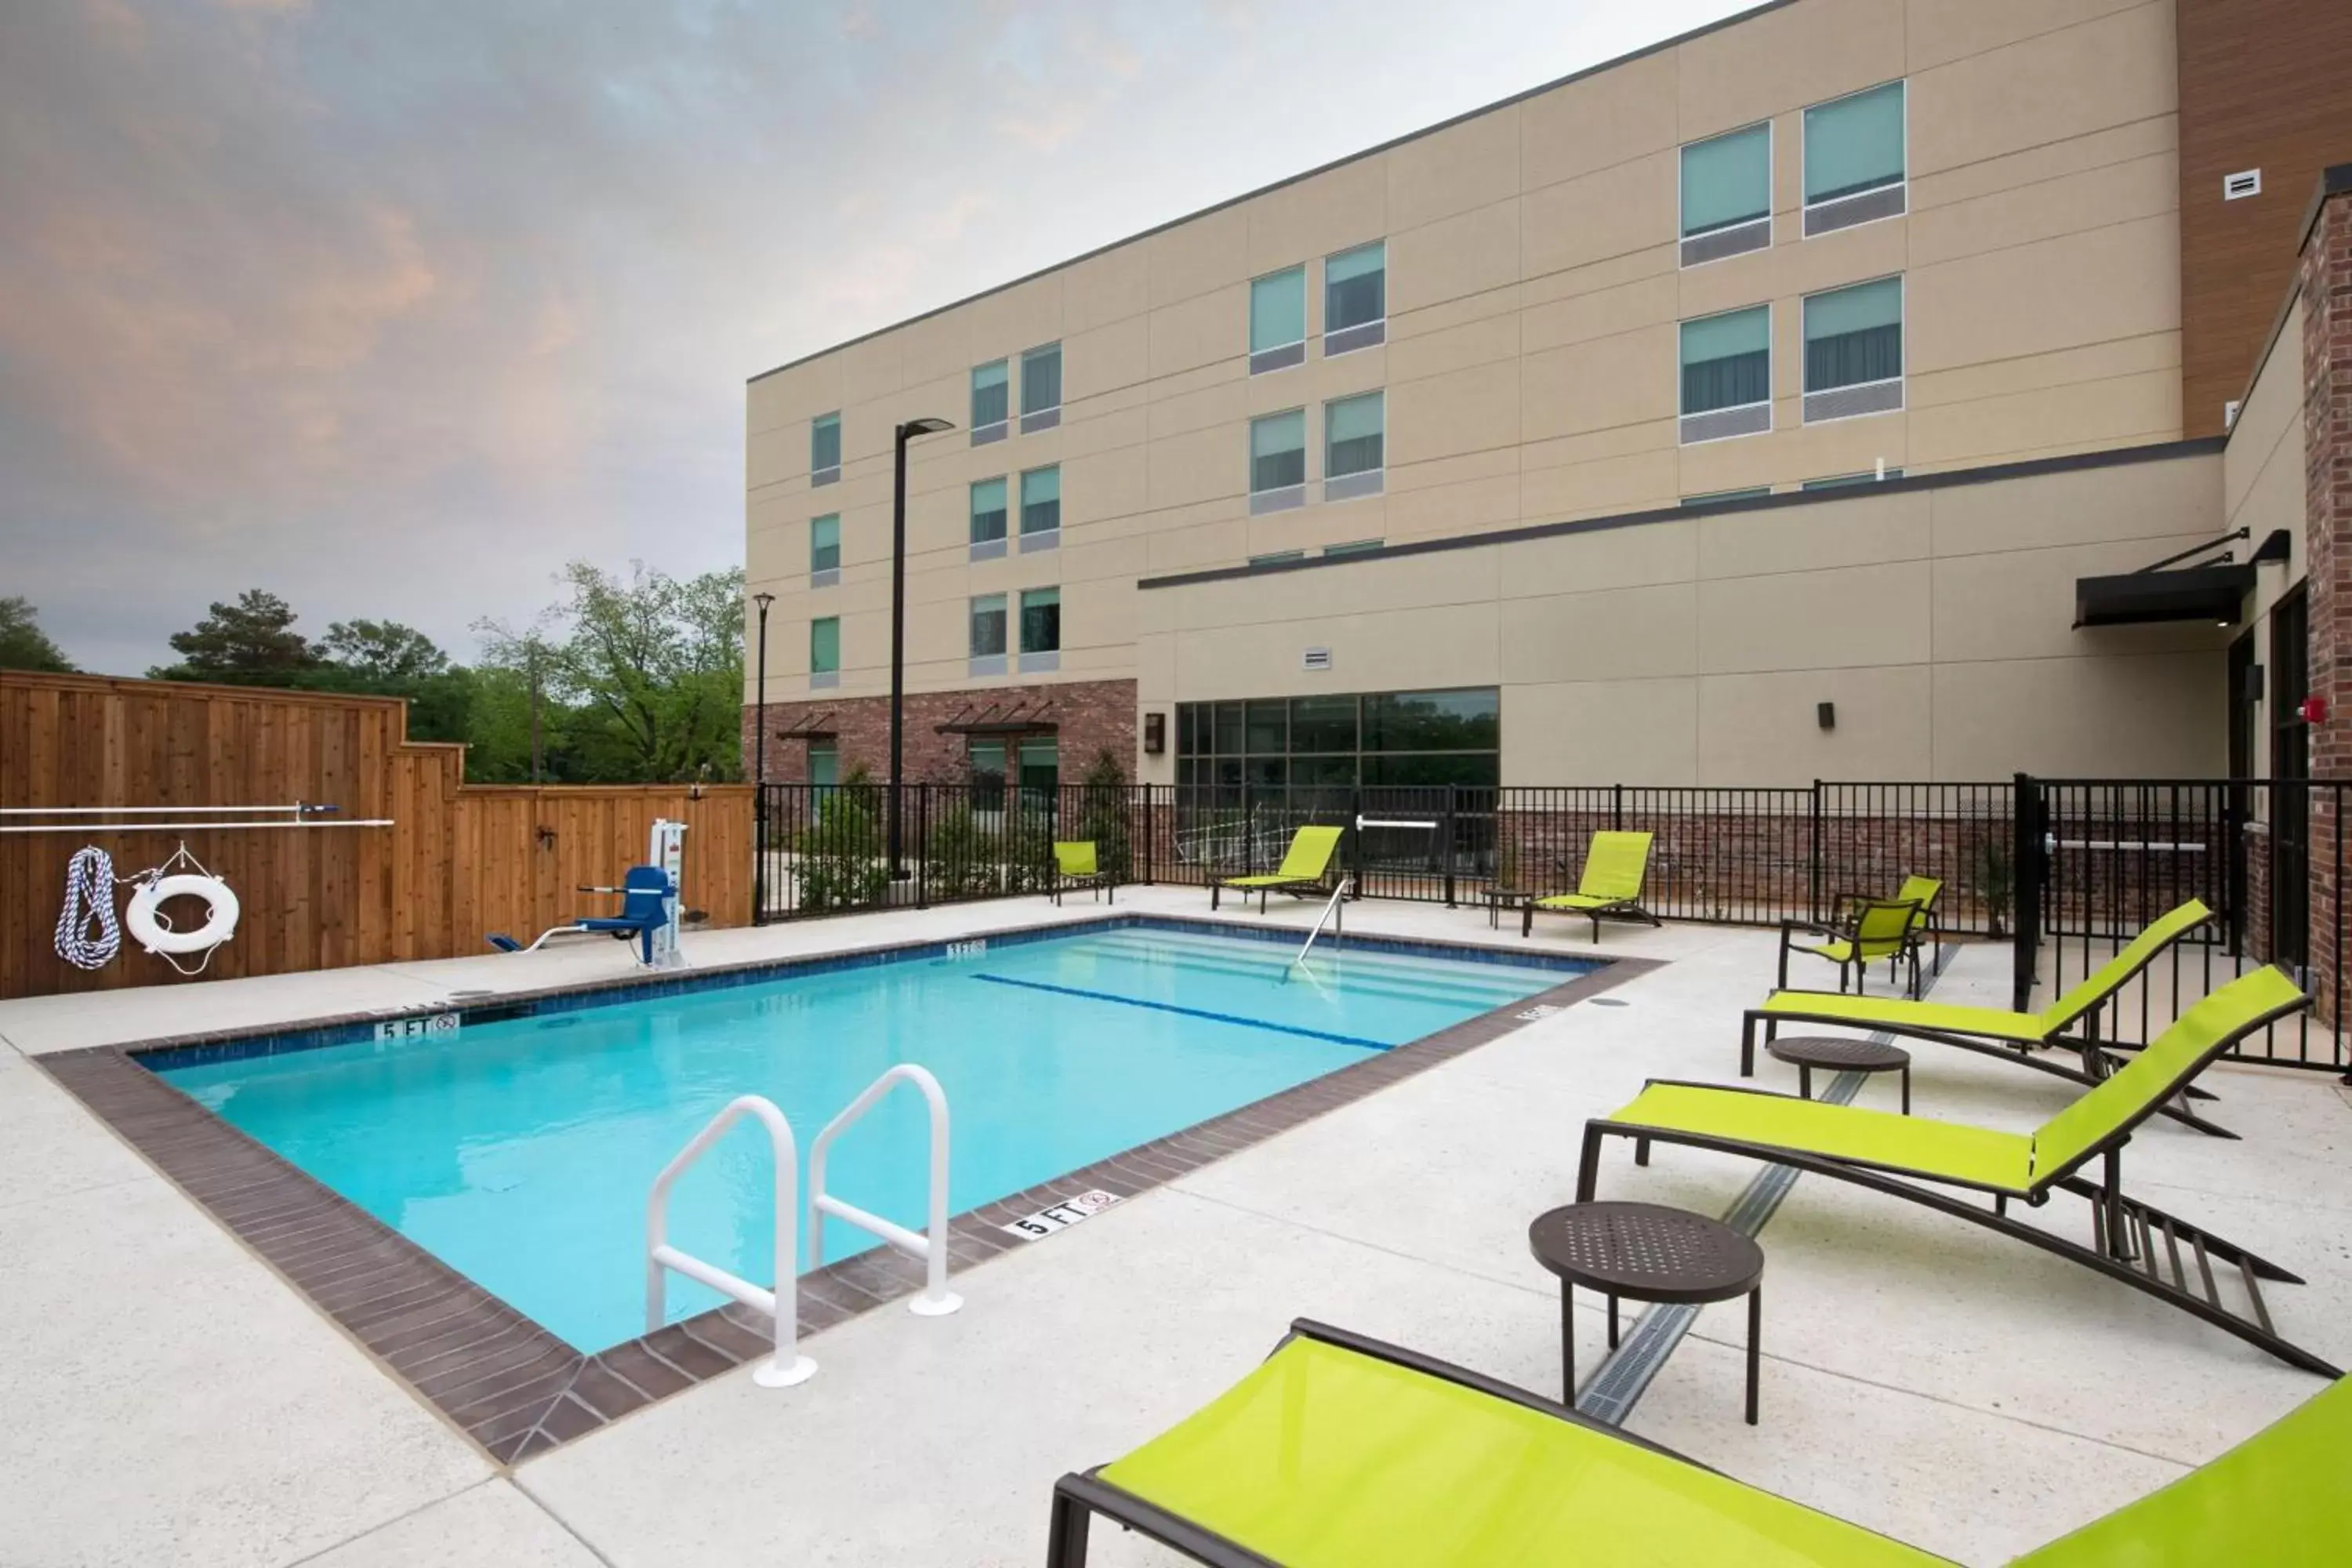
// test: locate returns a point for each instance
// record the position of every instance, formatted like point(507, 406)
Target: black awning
point(1020, 718)
point(2197, 594)
point(809, 726)
point(2180, 587)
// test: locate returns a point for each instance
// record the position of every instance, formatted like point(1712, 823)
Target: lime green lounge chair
point(1339, 1451)
point(1609, 885)
point(1862, 931)
point(2007, 1037)
point(1894, 1154)
point(1304, 867)
point(1074, 867)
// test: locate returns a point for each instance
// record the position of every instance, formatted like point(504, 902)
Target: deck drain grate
point(1624, 1375)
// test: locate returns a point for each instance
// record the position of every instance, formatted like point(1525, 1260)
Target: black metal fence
point(2099, 858)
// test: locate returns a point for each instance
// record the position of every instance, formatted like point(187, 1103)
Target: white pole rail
point(2051, 843)
point(929, 1248)
point(787, 1367)
point(1330, 912)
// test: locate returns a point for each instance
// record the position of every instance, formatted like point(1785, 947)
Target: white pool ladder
point(929, 1248)
point(787, 1367)
point(1330, 912)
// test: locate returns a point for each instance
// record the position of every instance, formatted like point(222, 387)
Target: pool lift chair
point(647, 893)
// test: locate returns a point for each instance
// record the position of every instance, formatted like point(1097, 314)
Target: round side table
point(1650, 1253)
point(1840, 1054)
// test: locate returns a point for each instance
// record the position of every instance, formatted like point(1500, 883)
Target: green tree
point(24, 645)
point(651, 667)
point(252, 641)
point(382, 651)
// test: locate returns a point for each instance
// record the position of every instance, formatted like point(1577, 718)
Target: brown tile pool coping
point(516, 1389)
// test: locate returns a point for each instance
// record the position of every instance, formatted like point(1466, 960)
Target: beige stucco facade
point(1531, 373)
point(1695, 651)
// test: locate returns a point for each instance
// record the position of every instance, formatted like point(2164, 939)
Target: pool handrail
point(787, 1367)
point(1329, 906)
point(931, 1249)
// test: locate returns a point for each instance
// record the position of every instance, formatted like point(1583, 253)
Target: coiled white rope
point(90, 903)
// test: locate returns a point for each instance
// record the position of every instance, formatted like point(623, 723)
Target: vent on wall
point(2245, 183)
point(1315, 658)
point(2230, 415)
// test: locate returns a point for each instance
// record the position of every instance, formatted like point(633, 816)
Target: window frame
point(1275, 356)
point(819, 679)
point(1042, 660)
point(823, 476)
point(1041, 538)
point(1279, 497)
point(1831, 220)
point(1356, 482)
point(978, 664)
point(1362, 335)
point(1733, 420)
point(820, 576)
point(1046, 416)
point(984, 433)
point(1729, 239)
point(993, 547)
point(1856, 399)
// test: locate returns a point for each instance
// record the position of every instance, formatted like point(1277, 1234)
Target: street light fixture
point(759, 773)
point(905, 433)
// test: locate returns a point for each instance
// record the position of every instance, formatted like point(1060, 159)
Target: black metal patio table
point(1650, 1253)
point(1841, 1054)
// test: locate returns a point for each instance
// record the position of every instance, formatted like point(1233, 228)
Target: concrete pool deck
point(172, 1399)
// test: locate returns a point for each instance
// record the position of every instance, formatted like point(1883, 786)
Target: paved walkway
point(1921, 1377)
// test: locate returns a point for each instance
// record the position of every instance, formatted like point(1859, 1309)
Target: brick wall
point(1086, 717)
point(2326, 283)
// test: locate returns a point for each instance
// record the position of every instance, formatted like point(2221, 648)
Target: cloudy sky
point(392, 306)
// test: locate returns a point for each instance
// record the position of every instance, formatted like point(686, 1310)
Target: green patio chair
point(1339, 1451)
point(1303, 869)
point(1609, 885)
point(1896, 1154)
point(2007, 1036)
point(1074, 867)
point(1861, 932)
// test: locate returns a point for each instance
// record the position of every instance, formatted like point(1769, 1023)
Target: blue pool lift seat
point(645, 892)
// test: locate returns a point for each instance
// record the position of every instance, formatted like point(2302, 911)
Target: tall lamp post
point(905, 433)
point(759, 773)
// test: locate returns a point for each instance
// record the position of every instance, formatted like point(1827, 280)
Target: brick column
point(2326, 285)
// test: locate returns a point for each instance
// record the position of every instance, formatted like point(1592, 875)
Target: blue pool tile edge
point(163, 1055)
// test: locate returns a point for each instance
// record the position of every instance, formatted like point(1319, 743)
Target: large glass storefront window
point(1381, 739)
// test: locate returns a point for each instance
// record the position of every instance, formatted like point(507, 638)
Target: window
point(1854, 350)
point(1355, 298)
point(1279, 461)
point(1750, 493)
point(1277, 321)
point(1041, 389)
point(1353, 547)
point(1727, 374)
point(1040, 759)
point(990, 394)
point(1306, 745)
point(825, 550)
point(824, 764)
point(1854, 160)
point(824, 449)
point(1838, 481)
point(1040, 629)
point(987, 519)
point(825, 652)
point(986, 760)
point(1727, 195)
point(1352, 443)
point(1041, 509)
point(987, 635)
point(1277, 557)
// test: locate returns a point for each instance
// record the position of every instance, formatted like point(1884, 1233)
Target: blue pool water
point(521, 1151)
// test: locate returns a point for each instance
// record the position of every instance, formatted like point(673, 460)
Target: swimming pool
point(519, 1152)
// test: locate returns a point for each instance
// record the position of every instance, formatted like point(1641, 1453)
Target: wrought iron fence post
point(1355, 835)
point(1147, 835)
point(758, 853)
point(1814, 856)
point(1616, 807)
point(2025, 888)
point(1448, 831)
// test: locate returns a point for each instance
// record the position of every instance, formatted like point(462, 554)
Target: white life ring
point(148, 930)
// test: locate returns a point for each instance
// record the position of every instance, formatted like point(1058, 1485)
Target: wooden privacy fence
point(458, 862)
